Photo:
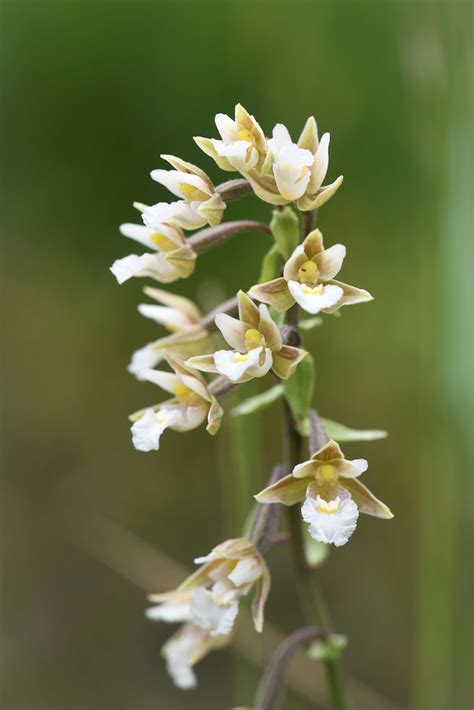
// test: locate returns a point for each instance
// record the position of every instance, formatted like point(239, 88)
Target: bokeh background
point(92, 93)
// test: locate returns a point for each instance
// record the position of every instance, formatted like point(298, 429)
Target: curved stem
point(212, 237)
point(234, 189)
point(270, 690)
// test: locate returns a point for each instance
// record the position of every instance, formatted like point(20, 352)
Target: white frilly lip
point(313, 301)
point(146, 432)
point(217, 619)
point(234, 365)
point(333, 521)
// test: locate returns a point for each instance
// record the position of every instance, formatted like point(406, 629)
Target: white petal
point(170, 611)
point(235, 365)
point(226, 127)
point(139, 233)
point(219, 620)
point(147, 430)
point(330, 521)
point(191, 417)
point(313, 301)
point(168, 381)
point(232, 329)
point(329, 261)
point(145, 358)
point(245, 571)
point(169, 317)
point(291, 173)
point(321, 162)
point(280, 138)
point(179, 652)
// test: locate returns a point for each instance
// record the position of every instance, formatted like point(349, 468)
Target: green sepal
point(271, 265)
point(299, 393)
point(328, 650)
point(340, 432)
point(285, 228)
point(259, 402)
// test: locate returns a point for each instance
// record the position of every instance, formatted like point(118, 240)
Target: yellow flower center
point(238, 357)
point(326, 475)
point(185, 394)
point(315, 291)
point(327, 507)
point(308, 273)
point(193, 193)
point(162, 242)
point(160, 418)
point(245, 135)
point(254, 339)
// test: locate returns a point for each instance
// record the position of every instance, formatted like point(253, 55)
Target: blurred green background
point(92, 93)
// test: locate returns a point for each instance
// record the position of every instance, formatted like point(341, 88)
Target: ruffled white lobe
point(218, 620)
point(246, 571)
point(331, 521)
point(240, 154)
point(146, 432)
point(172, 612)
point(144, 265)
point(315, 299)
point(178, 653)
point(180, 214)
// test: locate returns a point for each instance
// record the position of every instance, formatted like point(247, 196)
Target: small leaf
point(299, 390)
point(271, 265)
point(316, 552)
point(285, 228)
point(340, 432)
point(310, 323)
point(328, 650)
point(259, 402)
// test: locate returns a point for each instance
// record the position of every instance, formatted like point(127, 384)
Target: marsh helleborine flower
point(257, 342)
point(191, 404)
point(308, 279)
point(333, 495)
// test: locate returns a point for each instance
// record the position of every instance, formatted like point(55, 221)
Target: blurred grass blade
point(341, 432)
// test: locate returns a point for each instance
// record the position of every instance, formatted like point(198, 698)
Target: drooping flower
point(333, 495)
point(191, 404)
point(175, 258)
point(190, 643)
point(242, 146)
point(308, 279)
point(178, 315)
point(257, 342)
point(295, 171)
point(200, 205)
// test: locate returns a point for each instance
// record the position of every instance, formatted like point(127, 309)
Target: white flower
point(172, 611)
point(331, 521)
point(235, 365)
point(146, 432)
point(291, 166)
point(170, 318)
point(314, 299)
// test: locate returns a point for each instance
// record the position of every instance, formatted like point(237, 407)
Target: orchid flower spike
point(191, 404)
point(242, 146)
point(333, 495)
point(200, 204)
point(257, 343)
point(182, 318)
point(308, 279)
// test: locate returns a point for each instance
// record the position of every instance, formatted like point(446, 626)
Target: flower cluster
point(297, 273)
